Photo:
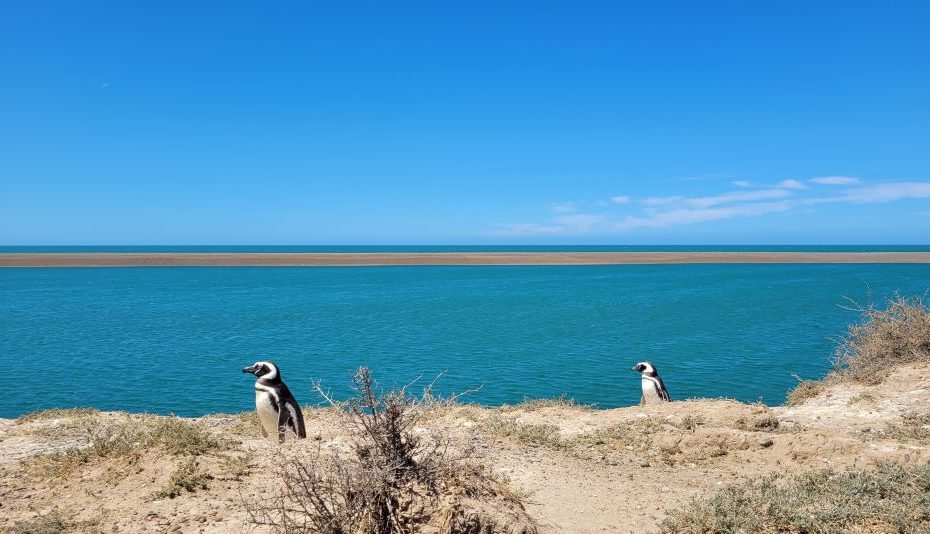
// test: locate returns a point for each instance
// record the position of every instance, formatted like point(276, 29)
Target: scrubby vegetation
point(188, 476)
point(893, 498)
point(128, 436)
point(392, 477)
point(887, 337)
point(53, 522)
point(57, 413)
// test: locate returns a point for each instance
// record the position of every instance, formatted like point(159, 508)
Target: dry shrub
point(890, 499)
point(896, 335)
point(889, 337)
point(806, 389)
point(393, 478)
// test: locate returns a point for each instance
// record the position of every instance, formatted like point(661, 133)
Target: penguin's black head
point(264, 369)
point(645, 368)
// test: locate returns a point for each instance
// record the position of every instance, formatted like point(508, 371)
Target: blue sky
point(536, 122)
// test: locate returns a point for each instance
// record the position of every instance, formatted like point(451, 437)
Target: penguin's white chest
point(650, 392)
point(265, 404)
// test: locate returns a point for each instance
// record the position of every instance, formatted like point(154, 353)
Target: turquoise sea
point(174, 339)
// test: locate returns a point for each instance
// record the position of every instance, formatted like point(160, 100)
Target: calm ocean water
point(174, 339)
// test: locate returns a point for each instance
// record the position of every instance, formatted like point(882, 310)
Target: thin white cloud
point(691, 216)
point(887, 192)
point(678, 210)
point(791, 184)
point(835, 180)
point(563, 207)
point(662, 201)
point(736, 196)
point(742, 183)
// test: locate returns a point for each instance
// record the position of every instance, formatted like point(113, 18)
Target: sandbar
point(441, 258)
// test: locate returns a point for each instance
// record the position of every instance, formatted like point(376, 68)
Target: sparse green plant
point(188, 476)
point(890, 499)
point(237, 466)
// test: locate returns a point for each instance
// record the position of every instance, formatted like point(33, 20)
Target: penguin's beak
point(250, 370)
point(635, 368)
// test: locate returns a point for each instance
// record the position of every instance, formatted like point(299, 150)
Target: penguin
point(654, 390)
point(276, 406)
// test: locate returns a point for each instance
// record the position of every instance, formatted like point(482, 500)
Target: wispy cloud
point(886, 192)
point(680, 210)
point(563, 207)
point(742, 183)
point(791, 184)
point(835, 180)
point(736, 196)
point(691, 216)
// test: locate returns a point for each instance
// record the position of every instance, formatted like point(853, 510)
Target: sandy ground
point(450, 258)
point(573, 481)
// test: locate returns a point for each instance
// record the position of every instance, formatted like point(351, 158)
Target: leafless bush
point(393, 478)
point(888, 337)
point(896, 335)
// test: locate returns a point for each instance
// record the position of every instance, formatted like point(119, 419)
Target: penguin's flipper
point(283, 419)
point(663, 393)
point(296, 422)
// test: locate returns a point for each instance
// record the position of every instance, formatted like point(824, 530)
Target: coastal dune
point(442, 258)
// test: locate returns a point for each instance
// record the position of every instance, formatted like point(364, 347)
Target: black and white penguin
point(276, 406)
point(654, 390)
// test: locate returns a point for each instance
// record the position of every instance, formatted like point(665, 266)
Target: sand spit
point(442, 258)
point(577, 469)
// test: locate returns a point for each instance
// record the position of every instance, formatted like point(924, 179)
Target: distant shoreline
point(249, 259)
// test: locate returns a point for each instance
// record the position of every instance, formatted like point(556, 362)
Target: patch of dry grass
point(529, 405)
point(806, 389)
point(525, 433)
point(890, 499)
point(188, 476)
point(57, 413)
point(761, 420)
point(913, 426)
point(128, 437)
point(54, 522)
point(864, 396)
